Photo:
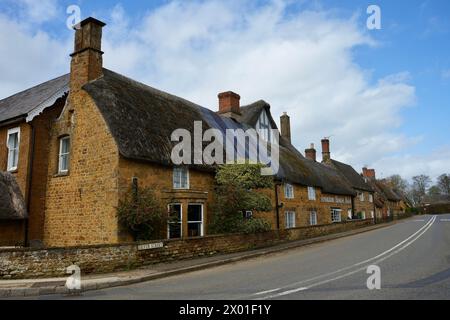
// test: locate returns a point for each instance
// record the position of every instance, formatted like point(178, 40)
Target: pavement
point(56, 286)
point(411, 260)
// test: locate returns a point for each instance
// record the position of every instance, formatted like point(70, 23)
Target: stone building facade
point(86, 138)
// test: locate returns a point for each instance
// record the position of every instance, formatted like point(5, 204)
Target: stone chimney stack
point(229, 104)
point(87, 58)
point(285, 122)
point(369, 173)
point(311, 153)
point(326, 154)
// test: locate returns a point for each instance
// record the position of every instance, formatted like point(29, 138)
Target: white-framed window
point(290, 219)
point(371, 198)
point(313, 218)
point(312, 193)
point(180, 178)
point(363, 215)
point(13, 143)
point(195, 220)
point(336, 215)
point(288, 191)
point(361, 196)
point(263, 127)
point(64, 154)
point(372, 214)
point(175, 225)
point(248, 214)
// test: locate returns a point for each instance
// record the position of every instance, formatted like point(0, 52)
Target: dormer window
point(180, 178)
point(289, 191)
point(311, 194)
point(12, 143)
point(263, 127)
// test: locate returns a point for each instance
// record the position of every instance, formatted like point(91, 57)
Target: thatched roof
point(383, 191)
point(12, 204)
point(142, 119)
point(387, 191)
point(355, 179)
point(33, 101)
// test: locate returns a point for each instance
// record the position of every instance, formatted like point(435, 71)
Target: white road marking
point(388, 253)
point(266, 292)
point(445, 220)
point(418, 220)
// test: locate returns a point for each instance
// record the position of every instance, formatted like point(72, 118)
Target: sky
point(383, 95)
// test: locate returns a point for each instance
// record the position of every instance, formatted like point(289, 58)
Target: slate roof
point(12, 203)
point(142, 119)
point(24, 103)
point(355, 179)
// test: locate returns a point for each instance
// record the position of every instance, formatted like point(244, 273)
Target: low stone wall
point(52, 262)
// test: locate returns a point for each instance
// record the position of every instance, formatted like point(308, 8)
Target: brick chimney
point(326, 155)
point(369, 173)
point(311, 153)
point(87, 60)
point(229, 104)
point(285, 122)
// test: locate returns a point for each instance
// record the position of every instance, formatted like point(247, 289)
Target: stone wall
point(35, 263)
point(81, 204)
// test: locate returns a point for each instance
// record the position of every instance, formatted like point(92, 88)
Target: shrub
point(237, 192)
point(142, 214)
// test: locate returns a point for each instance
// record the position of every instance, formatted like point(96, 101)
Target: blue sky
point(383, 95)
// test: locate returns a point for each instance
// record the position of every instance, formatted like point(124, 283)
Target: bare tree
point(398, 183)
point(419, 188)
point(443, 183)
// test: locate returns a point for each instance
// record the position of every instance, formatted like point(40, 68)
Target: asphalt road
point(413, 257)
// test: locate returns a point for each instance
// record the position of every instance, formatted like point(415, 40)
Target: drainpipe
point(30, 177)
point(353, 207)
point(277, 205)
point(374, 209)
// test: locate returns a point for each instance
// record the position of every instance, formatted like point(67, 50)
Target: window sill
point(61, 174)
point(13, 171)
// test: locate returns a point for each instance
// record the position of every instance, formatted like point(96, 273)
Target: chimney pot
point(285, 122)
point(229, 103)
point(326, 154)
point(311, 153)
point(369, 173)
point(87, 60)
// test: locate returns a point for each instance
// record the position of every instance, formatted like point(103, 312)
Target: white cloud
point(301, 63)
point(33, 11)
point(433, 164)
point(29, 57)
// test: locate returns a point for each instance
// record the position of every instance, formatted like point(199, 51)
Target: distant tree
point(237, 191)
point(398, 183)
point(443, 183)
point(419, 189)
point(434, 191)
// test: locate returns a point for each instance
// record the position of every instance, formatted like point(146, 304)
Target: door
point(175, 230)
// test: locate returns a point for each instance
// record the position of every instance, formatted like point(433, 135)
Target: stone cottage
point(78, 143)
